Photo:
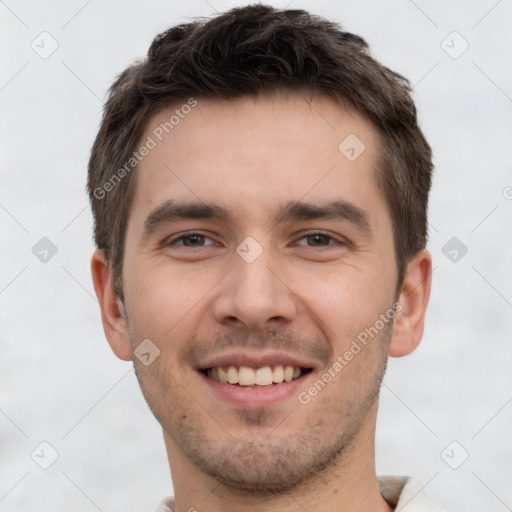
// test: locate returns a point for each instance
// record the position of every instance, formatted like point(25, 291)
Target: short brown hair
point(247, 51)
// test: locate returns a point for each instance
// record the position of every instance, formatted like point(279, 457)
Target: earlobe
point(408, 325)
point(113, 314)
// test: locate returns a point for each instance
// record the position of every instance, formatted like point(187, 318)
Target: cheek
point(343, 301)
point(165, 297)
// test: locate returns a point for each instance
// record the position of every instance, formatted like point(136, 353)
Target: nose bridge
point(254, 294)
point(254, 279)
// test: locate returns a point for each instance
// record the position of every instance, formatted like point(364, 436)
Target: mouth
point(252, 379)
point(260, 377)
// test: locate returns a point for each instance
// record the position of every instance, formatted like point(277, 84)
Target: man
point(259, 186)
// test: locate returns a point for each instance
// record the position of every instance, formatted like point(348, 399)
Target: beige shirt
point(402, 492)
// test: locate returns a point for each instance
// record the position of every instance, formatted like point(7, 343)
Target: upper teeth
point(246, 376)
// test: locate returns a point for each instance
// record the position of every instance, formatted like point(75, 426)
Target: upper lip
point(255, 360)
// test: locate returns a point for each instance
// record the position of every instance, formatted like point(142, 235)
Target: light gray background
point(60, 383)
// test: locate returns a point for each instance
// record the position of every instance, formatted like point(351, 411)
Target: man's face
point(268, 283)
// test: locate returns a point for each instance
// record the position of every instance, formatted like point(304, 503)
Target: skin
point(303, 295)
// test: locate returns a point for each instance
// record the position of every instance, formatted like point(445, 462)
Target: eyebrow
point(339, 209)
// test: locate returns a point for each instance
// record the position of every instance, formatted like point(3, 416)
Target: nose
point(255, 295)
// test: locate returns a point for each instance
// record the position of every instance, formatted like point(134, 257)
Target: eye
point(315, 239)
point(318, 240)
point(190, 240)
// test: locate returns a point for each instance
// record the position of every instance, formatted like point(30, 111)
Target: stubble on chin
point(266, 459)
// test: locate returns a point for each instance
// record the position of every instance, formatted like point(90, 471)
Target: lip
point(253, 396)
point(255, 360)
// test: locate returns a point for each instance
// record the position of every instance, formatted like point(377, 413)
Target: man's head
point(245, 52)
point(274, 216)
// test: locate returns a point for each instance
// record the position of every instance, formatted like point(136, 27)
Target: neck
point(348, 484)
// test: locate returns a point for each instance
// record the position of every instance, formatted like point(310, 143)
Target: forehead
point(257, 152)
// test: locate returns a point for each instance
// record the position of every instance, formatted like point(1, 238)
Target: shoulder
point(166, 505)
point(406, 494)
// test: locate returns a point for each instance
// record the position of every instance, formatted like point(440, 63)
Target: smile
point(247, 376)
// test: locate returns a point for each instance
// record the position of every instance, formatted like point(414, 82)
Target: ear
point(113, 314)
point(414, 296)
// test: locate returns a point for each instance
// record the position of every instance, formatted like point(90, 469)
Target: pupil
point(320, 238)
point(192, 239)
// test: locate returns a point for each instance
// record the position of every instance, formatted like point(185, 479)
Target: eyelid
point(336, 238)
point(180, 236)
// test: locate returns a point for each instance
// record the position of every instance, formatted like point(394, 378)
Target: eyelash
point(306, 235)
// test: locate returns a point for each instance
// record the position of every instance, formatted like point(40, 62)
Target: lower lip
point(255, 397)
